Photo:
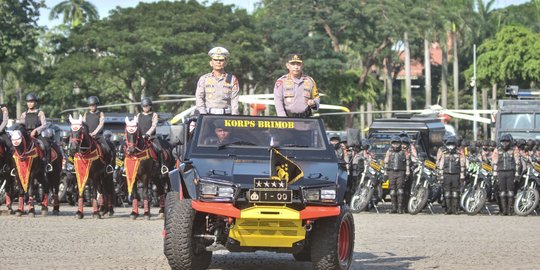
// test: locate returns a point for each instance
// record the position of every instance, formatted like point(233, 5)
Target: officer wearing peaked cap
point(296, 94)
point(217, 91)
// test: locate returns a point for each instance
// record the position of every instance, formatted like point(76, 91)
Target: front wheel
point(418, 201)
point(332, 242)
point(182, 223)
point(62, 188)
point(526, 201)
point(361, 199)
point(473, 200)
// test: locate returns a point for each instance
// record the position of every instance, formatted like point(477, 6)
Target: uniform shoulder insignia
point(279, 82)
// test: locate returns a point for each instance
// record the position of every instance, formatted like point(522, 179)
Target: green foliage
point(74, 12)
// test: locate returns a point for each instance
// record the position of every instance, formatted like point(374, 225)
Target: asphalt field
point(383, 241)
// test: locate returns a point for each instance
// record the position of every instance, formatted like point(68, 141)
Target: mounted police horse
point(33, 170)
point(142, 165)
point(94, 165)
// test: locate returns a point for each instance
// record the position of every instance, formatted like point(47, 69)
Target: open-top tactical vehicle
point(258, 183)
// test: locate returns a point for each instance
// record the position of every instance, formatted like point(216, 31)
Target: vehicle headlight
point(535, 173)
point(216, 190)
point(484, 172)
point(320, 195)
point(372, 171)
point(427, 171)
point(70, 167)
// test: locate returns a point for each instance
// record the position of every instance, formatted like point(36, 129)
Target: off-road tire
point(363, 198)
point(325, 241)
point(422, 200)
point(178, 244)
point(62, 188)
point(531, 202)
point(480, 195)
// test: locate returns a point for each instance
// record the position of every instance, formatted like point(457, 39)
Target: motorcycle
point(425, 189)
point(477, 192)
point(527, 196)
point(370, 182)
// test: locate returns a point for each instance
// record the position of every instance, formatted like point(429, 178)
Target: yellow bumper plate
point(268, 226)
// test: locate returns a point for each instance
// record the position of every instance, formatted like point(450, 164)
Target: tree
point(18, 29)
point(74, 12)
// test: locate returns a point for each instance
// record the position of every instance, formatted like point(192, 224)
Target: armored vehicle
point(258, 183)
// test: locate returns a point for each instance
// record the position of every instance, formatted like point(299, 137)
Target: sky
point(104, 6)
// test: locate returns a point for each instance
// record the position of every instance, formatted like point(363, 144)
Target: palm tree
point(74, 12)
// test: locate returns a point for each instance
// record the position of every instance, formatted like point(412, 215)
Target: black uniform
point(92, 121)
point(452, 164)
point(506, 168)
point(397, 170)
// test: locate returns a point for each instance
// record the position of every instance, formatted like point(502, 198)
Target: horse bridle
point(83, 149)
point(136, 143)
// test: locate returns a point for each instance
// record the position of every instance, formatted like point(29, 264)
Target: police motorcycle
point(119, 178)
point(370, 183)
point(527, 196)
point(479, 189)
point(425, 188)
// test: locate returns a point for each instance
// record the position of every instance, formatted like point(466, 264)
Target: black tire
point(62, 188)
point(526, 202)
point(473, 201)
point(181, 221)
point(3, 192)
point(418, 201)
point(304, 255)
point(332, 242)
point(361, 199)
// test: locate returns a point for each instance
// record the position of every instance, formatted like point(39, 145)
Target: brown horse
point(32, 169)
point(141, 164)
point(93, 164)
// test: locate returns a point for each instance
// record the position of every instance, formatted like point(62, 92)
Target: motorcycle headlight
point(372, 171)
point(216, 190)
point(320, 195)
point(484, 172)
point(70, 167)
point(427, 171)
point(535, 173)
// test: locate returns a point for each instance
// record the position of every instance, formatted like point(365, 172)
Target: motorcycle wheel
point(526, 201)
point(3, 192)
point(62, 189)
point(418, 201)
point(473, 200)
point(360, 199)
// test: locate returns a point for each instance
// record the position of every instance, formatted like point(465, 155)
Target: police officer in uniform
point(95, 120)
point(397, 170)
point(506, 168)
point(147, 123)
point(296, 94)
point(35, 122)
point(218, 91)
point(4, 117)
point(452, 165)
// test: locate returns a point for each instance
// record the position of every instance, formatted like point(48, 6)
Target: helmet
point(465, 143)
point(107, 134)
point(395, 139)
point(146, 102)
point(493, 144)
point(48, 133)
point(459, 139)
point(451, 140)
point(521, 143)
point(114, 138)
point(31, 97)
point(406, 140)
point(505, 137)
point(92, 100)
point(335, 138)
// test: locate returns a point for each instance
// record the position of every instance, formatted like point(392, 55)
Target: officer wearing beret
point(217, 91)
point(296, 94)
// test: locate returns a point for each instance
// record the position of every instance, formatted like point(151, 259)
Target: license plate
point(119, 163)
point(270, 196)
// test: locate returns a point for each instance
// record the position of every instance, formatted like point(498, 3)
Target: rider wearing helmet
point(397, 170)
point(506, 168)
point(452, 164)
point(147, 121)
point(35, 122)
point(409, 148)
point(95, 120)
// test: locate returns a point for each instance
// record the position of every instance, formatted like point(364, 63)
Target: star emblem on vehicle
point(281, 184)
point(258, 184)
point(274, 184)
point(266, 184)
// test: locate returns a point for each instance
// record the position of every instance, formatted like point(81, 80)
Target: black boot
point(455, 206)
point(394, 204)
point(400, 203)
point(503, 211)
point(448, 206)
point(510, 208)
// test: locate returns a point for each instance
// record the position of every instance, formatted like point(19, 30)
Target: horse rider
point(147, 121)
point(506, 168)
point(452, 166)
point(95, 119)
point(35, 122)
point(296, 94)
point(397, 170)
point(218, 91)
point(4, 137)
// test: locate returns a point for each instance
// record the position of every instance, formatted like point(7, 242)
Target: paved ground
point(383, 241)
